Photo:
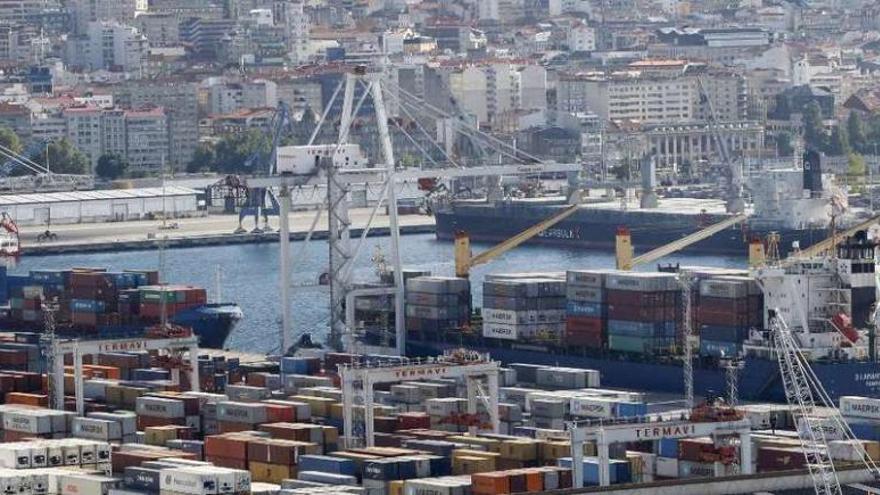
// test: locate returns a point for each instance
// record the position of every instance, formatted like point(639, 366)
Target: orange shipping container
point(37, 400)
point(276, 413)
point(534, 480)
point(494, 483)
point(229, 446)
point(228, 462)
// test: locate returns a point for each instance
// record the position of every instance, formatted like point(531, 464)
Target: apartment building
point(629, 96)
point(146, 144)
point(290, 15)
point(225, 98)
point(109, 46)
point(179, 99)
point(21, 11)
point(85, 12)
point(490, 90)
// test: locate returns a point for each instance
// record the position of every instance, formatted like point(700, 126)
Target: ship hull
point(597, 229)
point(759, 380)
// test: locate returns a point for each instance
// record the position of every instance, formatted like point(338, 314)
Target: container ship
point(629, 325)
point(96, 303)
point(793, 203)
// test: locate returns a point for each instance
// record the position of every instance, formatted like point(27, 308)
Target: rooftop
point(75, 196)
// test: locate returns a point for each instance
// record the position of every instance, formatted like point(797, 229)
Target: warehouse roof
point(107, 194)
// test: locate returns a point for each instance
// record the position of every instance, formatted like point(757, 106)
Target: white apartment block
point(109, 46)
point(226, 98)
point(18, 11)
point(84, 131)
point(629, 97)
point(146, 144)
point(580, 37)
point(489, 91)
point(292, 16)
point(84, 12)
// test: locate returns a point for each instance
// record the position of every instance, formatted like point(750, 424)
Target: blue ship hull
point(758, 381)
point(596, 229)
point(212, 323)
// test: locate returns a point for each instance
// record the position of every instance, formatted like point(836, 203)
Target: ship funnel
point(813, 173)
point(623, 248)
point(757, 254)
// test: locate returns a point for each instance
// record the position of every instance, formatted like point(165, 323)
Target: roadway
point(211, 229)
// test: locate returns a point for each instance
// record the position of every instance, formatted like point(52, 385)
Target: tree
point(858, 135)
point(784, 145)
point(814, 128)
point(856, 166)
point(235, 153)
point(10, 140)
point(839, 142)
point(111, 167)
point(64, 158)
point(203, 159)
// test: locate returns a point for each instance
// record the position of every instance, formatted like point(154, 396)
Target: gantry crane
point(464, 260)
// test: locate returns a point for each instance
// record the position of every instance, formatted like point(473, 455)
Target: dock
point(210, 230)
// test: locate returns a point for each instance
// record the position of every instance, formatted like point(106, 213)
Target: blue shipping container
point(576, 308)
point(618, 470)
point(631, 409)
point(441, 466)
point(382, 469)
point(718, 333)
point(294, 366)
point(52, 277)
point(642, 329)
point(406, 469)
point(719, 349)
point(86, 306)
point(326, 464)
point(668, 447)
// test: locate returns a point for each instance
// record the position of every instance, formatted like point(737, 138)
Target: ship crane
point(464, 260)
point(805, 392)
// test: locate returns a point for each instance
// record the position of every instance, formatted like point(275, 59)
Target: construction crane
point(464, 260)
point(624, 248)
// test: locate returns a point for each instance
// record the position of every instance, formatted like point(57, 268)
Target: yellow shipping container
point(271, 473)
point(395, 488)
point(318, 405)
point(159, 435)
point(470, 465)
point(519, 450)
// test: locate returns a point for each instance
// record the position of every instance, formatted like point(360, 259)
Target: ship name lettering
point(420, 372)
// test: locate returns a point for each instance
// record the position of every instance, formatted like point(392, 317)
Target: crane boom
point(627, 262)
point(464, 261)
point(831, 242)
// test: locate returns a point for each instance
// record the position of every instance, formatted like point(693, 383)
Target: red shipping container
point(780, 459)
point(276, 413)
point(635, 298)
point(233, 427)
point(13, 357)
point(147, 421)
point(642, 313)
point(413, 420)
point(584, 324)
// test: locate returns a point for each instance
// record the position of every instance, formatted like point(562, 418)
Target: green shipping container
point(639, 345)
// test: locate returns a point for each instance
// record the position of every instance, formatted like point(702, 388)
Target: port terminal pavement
point(199, 231)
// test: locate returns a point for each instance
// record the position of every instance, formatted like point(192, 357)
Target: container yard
point(278, 427)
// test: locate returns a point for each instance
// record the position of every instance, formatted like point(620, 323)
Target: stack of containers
point(643, 309)
point(177, 299)
point(26, 302)
point(585, 311)
point(92, 294)
point(863, 416)
point(726, 309)
point(435, 305)
point(525, 309)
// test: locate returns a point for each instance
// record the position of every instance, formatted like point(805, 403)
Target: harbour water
point(249, 274)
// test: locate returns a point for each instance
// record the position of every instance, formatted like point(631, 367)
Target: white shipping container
point(15, 455)
point(847, 450)
point(26, 421)
point(642, 281)
point(828, 426)
point(860, 407)
point(246, 393)
point(126, 419)
point(445, 406)
point(159, 407)
point(242, 412)
point(666, 467)
point(500, 331)
point(97, 429)
point(79, 484)
point(592, 407)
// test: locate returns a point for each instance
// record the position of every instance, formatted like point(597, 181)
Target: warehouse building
point(101, 206)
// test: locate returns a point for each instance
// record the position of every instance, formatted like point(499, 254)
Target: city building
point(109, 46)
point(85, 12)
point(146, 142)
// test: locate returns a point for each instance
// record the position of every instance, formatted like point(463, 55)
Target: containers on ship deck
point(725, 309)
point(435, 305)
point(586, 309)
point(524, 309)
point(643, 310)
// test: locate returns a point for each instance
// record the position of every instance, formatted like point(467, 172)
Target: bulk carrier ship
point(96, 303)
point(793, 203)
point(628, 325)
